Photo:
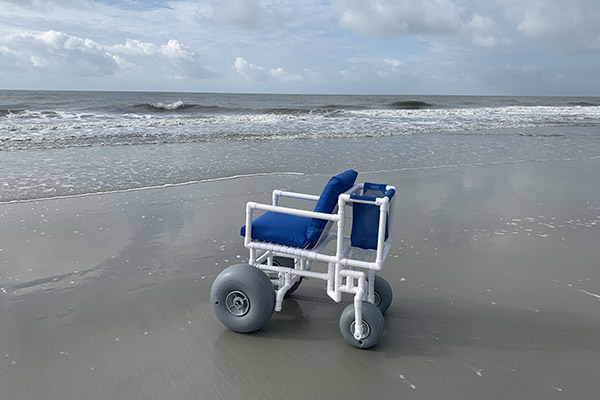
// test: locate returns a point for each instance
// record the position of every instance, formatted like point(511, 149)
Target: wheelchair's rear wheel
point(383, 294)
point(243, 298)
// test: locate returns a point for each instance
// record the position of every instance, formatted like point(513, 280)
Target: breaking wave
point(29, 120)
point(168, 106)
point(107, 142)
point(58, 131)
point(411, 105)
point(584, 104)
point(162, 107)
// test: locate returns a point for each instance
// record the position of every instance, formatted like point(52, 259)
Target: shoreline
point(52, 173)
point(286, 173)
point(159, 186)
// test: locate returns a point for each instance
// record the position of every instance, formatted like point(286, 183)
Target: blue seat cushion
point(303, 232)
point(289, 230)
point(328, 200)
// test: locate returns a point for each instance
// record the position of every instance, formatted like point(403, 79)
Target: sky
point(462, 47)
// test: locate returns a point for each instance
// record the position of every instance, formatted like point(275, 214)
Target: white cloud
point(127, 66)
point(57, 53)
point(174, 49)
point(484, 33)
point(571, 26)
point(388, 18)
point(60, 53)
point(366, 68)
point(253, 72)
point(393, 63)
point(284, 76)
point(134, 47)
point(38, 61)
point(51, 38)
point(249, 71)
point(423, 46)
point(545, 18)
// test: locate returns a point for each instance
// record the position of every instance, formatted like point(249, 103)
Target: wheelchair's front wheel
point(372, 321)
point(243, 298)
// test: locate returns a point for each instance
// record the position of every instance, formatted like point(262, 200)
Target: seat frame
point(349, 269)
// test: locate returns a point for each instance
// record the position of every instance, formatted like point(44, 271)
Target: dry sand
point(495, 272)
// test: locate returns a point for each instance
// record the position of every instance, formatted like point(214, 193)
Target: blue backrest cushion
point(365, 217)
point(328, 200)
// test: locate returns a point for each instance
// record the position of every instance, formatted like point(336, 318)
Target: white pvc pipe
point(295, 195)
point(249, 211)
point(371, 289)
point(292, 211)
point(381, 230)
point(292, 251)
point(300, 272)
point(280, 293)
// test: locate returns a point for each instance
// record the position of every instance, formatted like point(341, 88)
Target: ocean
point(59, 143)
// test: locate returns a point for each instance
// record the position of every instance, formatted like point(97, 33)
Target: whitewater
point(78, 143)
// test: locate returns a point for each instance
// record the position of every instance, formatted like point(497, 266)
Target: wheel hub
point(237, 303)
point(377, 299)
point(366, 330)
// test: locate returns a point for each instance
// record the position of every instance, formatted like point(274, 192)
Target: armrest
point(294, 195)
point(251, 206)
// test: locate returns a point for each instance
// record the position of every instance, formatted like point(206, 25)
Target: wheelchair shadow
point(279, 348)
point(304, 318)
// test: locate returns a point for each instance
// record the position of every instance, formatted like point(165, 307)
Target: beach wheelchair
point(285, 243)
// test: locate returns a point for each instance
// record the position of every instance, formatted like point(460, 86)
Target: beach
point(134, 134)
point(494, 268)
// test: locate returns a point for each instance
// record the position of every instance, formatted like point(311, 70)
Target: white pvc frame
point(344, 272)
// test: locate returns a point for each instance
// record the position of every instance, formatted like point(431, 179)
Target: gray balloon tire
point(383, 294)
point(373, 321)
point(288, 263)
point(249, 283)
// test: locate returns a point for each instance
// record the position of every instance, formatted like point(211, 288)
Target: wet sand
point(494, 269)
